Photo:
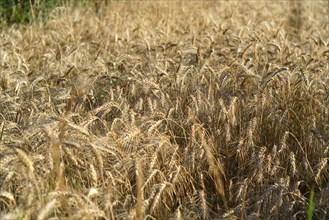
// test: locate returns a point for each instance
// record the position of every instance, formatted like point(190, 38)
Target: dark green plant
point(14, 11)
point(311, 205)
point(25, 11)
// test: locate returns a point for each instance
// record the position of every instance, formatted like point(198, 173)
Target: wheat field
point(167, 110)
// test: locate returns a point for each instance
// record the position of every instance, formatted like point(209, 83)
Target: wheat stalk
point(139, 191)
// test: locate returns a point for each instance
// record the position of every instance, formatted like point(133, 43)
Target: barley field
point(167, 110)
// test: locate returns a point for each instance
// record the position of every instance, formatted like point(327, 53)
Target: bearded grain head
point(181, 110)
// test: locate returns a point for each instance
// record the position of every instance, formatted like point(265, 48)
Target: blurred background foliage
point(26, 11)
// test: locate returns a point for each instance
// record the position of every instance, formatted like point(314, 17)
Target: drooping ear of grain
point(215, 168)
